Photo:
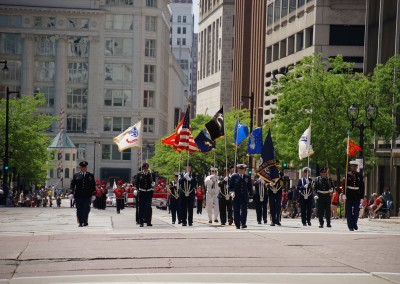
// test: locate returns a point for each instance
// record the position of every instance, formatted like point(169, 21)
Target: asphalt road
point(45, 245)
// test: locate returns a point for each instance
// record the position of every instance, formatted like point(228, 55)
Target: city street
point(45, 245)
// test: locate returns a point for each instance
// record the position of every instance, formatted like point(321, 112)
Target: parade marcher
point(241, 188)
point(174, 200)
point(225, 199)
point(306, 197)
point(354, 193)
point(275, 199)
point(145, 183)
point(120, 196)
point(83, 185)
point(260, 198)
point(322, 186)
point(211, 183)
point(187, 187)
point(199, 198)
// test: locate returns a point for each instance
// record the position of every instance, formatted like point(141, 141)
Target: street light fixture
point(5, 160)
point(251, 98)
point(371, 113)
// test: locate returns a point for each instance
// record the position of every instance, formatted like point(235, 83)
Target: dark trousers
point(199, 206)
point(324, 209)
point(240, 210)
point(275, 206)
point(306, 209)
point(352, 212)
point(120, 204)
point(225, 206)
point(175, 210)
point(82, 209)
point(186, 205)
point(261, 208)
point(145, 198)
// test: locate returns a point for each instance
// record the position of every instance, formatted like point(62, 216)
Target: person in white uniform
point(211, 183)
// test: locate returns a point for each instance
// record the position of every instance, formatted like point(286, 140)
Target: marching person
point(275, 199)
point(306, 197)
point(211, 183)
point(224, 198)
point(83, 185)
point(199, 198)
point(322, 186)
point(174, 200)
point(120, 196)
point(187, 187)
point(241, 187)
point(354, 193)
point(145, 184)
point(260, 198)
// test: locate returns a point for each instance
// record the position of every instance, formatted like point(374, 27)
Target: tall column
point(27, 69)
point(60, 96)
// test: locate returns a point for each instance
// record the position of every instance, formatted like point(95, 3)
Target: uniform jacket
point(211, 183)
point(323, 188)
point(144, 181)
point(304, 187)
point(355, 186)
point(189, 186)
point(83, 185)
point(260, 188)
point(223, 188)
point(242, 186)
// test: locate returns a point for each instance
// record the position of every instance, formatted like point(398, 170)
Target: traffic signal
point(285, 165)
point(250, 172)
point(6, 167)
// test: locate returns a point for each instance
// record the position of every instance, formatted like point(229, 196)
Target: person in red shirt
point(120, 196)
point(335, 203)
point(200, 198)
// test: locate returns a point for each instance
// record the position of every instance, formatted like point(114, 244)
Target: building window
point(148, 125)
point(292, 6)
point(117, 97)
point(148, 99)
point(81, 151)
point(178, 30)
point(284, 8)
point(151, 3)
point(150, 48)
point(45, 45)
point(119, 2)
point(76, 123)
point(118, 47)
point(75, 23)
point(178, 41)
point(149, 73)
point(184, 19)
point(78, 72)
point(270, 16)
point(179, 19)
point(183, 41)
point(110, 152)
point(10, 43)
point(67, 156)
point(118, 72)
point(44, 71)
point(77, 98)
point(184, 64)
point(300, 3)
point(66, 173)
point(277, 13)
point(116, 123)
point(119, 22)
point(184, 30)
point(48, 93)
point(151, 24)
point(44, 22)
point(346, 35)
point(78, 46)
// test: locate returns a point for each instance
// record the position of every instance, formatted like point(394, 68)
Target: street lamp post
point(251, 98)
point(5, 160)
point(371, 113)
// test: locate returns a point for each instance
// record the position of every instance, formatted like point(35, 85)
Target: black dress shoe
point(329, 226)
point(173, 222)
point(304, 224)
point(149, 225)
point(230, 223)
point(278, 223)
point(321, 226)
point(244, 227)
point(272, 224)
point(237, 227)
point(351, 229)
point(216, 221)
point(85, 224)
point(265, 221)
point(222, 224)
point(355, 227)
point(309, 223)
point(190, 224)
point(259, 222)
point(80, 225)
point(141, 225)
point(210, 221)
point(184, 224)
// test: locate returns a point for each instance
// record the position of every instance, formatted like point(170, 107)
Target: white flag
point(130, 138)
point(305, 148)
point(115, 185)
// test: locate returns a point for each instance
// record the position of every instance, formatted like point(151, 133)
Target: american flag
point(184, 140)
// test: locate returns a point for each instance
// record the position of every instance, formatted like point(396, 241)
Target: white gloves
point(135, 192)
point(316, 197)
point(232, 194)
point(262, 181)
point(187, 177)
point(153, 184)
point(344, 197)
point(225, 178)
point(331, 190)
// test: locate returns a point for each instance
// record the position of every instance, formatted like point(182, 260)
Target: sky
point(196, 15)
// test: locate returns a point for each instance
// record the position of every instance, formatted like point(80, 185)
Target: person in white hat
point(211, 183)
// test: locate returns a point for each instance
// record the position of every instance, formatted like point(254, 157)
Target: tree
point(28, 140)
point(319, 92)
point(166, 160)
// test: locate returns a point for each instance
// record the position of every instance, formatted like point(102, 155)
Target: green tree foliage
point(166, 160)
point(319, 92)
point(28, 140)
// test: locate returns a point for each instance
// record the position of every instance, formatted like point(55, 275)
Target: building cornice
point(51, 10)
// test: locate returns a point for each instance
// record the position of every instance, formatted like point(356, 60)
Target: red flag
point(184, 140)
point(353, 148)
point(170, 140)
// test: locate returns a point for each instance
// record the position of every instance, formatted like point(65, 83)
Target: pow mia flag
point(216, 125)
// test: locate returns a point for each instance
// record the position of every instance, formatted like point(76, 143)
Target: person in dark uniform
point(224, 198)
point(241, 188)
point(354, 193)
point(260, 198)
point(145, 184)
point(306, 197)
point(174, 200)
point(83, 185)
point(322, 186)
point(275, 199)
point(187, 188)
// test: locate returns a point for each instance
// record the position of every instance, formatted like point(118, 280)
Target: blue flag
point(254, 145)
point(240, 133)
point(267, 169)
point(204, 142)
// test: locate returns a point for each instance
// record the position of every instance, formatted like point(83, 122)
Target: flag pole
point(226, 151)
point(347, 169)
point(236, 146)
